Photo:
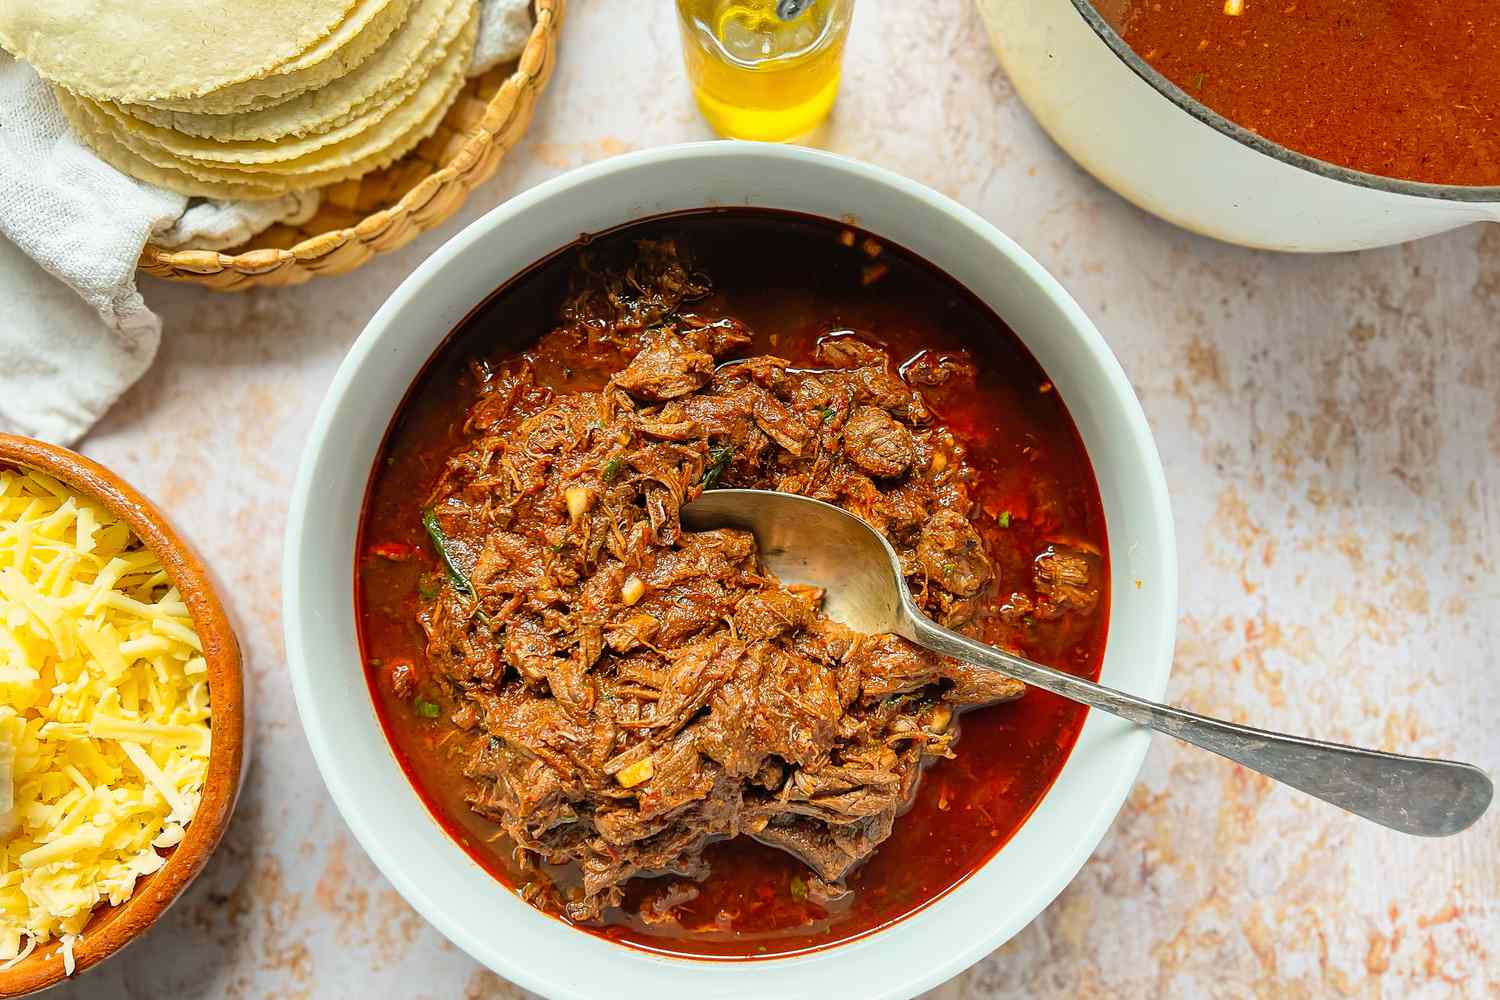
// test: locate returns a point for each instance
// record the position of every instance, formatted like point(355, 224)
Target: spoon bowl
point(803, 540)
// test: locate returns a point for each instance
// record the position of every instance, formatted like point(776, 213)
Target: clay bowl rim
point(111, 928)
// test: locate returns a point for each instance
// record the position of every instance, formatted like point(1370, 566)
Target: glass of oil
point(764, 69)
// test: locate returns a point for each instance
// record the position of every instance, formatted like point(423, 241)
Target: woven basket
point(387, 208)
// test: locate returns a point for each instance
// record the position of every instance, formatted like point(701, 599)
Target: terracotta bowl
point(113, 927)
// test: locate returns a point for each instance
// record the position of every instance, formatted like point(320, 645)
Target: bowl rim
point(120, 925)
point(1109, 780)
point(1467, 193)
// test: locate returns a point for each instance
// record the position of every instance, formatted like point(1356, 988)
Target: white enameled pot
point(371, 791)
point(1140, 134)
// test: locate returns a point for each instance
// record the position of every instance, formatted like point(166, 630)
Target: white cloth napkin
point(74, 330)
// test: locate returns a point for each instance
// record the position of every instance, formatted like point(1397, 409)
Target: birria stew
point(637, 727)
point(1402, 88)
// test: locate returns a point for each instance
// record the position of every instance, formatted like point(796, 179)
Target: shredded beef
point(1067, 580)
point(877, 443)
point(639, 691)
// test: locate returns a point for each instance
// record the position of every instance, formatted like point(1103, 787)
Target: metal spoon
point(807, 541)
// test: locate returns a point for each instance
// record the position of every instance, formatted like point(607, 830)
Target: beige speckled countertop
point(1331, 434)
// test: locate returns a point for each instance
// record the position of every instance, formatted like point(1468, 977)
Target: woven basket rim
point(531, 74)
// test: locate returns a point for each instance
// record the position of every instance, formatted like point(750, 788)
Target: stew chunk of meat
point(666, 370)
point(639, 691)
point(952, 554)
point(1066, 579)
point(876, 443)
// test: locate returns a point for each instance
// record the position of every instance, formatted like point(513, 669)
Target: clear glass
point(756, 76)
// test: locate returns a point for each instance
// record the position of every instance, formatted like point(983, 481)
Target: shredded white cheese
point(20, 957)
point(104, 713)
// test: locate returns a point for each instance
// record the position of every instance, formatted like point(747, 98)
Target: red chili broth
point(791, 280)
point(1401, 88)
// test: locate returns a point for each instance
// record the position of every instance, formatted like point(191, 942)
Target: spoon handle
point(1422, 796)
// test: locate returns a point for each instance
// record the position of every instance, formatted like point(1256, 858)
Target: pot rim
point(1472, 194)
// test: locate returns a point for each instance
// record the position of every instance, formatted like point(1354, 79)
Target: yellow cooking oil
point(763, 69)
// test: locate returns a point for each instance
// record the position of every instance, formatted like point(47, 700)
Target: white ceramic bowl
point(433, 873)
point(1156, 145)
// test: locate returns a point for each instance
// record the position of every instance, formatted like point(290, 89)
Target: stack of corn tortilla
point(247, 98)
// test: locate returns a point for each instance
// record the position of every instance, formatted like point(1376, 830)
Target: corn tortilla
point(270, 159)
point(303, 75)
point(384, 79)
point(144, 51)
point(365, 14)
point(189, 178)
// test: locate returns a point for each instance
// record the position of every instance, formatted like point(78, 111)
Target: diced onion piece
point(634, 774)
point(579, 501)
point(633, 590)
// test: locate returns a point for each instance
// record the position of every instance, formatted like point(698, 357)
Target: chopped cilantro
point(426, 709)
point(799, 888)
point(828, 412)
point(612, 469)
point(718, 461)
point(427, 588)
point(1004, 519)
